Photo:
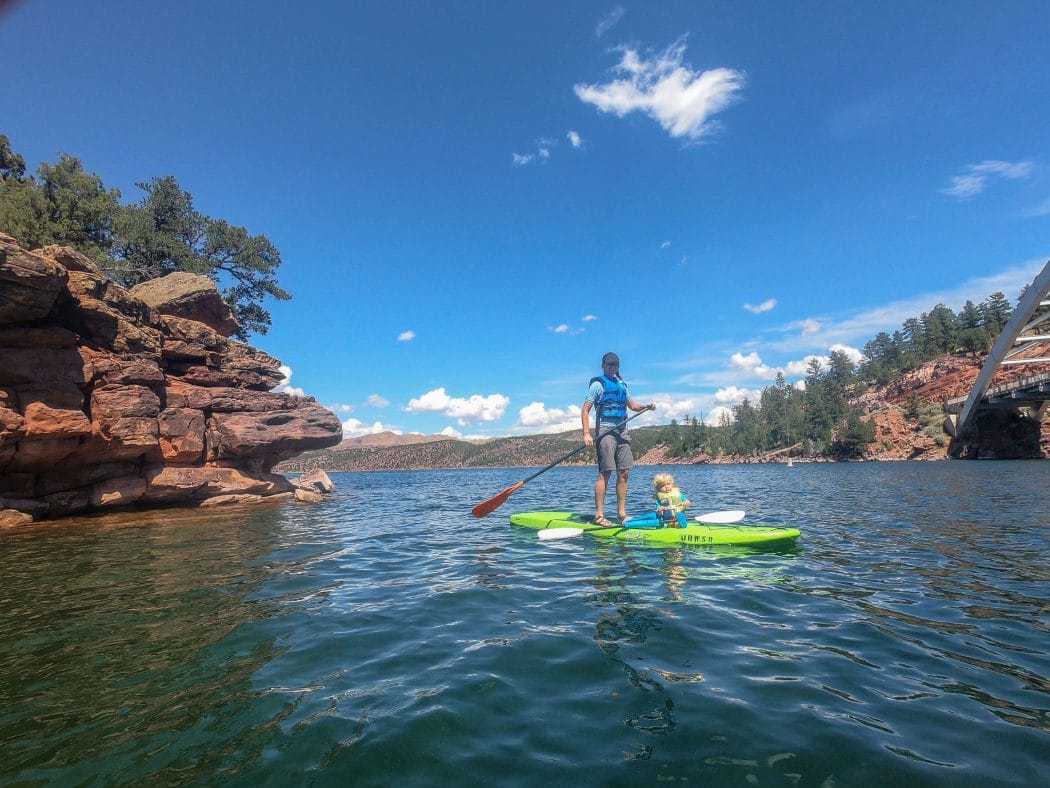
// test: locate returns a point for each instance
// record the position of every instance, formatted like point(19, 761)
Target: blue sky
point(474, 201)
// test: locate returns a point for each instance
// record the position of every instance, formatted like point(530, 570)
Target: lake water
point(386, 637)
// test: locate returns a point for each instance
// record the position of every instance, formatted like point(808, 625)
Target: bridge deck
point(1035, 388)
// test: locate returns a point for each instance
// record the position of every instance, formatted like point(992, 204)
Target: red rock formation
point(110, 397)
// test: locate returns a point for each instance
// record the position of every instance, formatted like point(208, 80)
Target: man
point(609, 396)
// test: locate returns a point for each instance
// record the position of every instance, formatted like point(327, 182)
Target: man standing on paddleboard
point(609, 397)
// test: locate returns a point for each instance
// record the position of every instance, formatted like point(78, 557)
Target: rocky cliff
point(908, 413)
point(112, 397)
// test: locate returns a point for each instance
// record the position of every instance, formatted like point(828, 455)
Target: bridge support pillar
point(1000, 434)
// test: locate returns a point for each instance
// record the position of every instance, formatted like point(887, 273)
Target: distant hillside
point(414, 452)
point(439, 451)
point(383, 439)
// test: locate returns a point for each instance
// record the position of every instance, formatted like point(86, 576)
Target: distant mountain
point(415, 452)
point(383, 439)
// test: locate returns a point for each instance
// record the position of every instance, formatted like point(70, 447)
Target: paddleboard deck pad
point(692, 534)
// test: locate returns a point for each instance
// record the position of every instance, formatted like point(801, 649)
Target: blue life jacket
point(612, 404)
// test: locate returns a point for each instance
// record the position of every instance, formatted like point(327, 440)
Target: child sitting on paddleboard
point(670, 501)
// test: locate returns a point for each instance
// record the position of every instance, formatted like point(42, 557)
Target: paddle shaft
point(493, 503)
point(578, 449)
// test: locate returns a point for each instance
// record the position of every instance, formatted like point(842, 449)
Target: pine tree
point(66, 204)
point(914, 341)
point(973, 337)
point(996, 312)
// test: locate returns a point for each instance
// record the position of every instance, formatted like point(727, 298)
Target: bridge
point(1019, 397)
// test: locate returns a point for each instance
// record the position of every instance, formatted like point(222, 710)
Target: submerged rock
point(315, 480)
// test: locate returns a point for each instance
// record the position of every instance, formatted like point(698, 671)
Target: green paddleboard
point(692, 534)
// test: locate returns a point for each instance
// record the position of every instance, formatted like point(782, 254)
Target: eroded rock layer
point(110, 397)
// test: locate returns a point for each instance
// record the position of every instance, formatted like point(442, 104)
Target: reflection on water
point(349, 643)
point(123, 629)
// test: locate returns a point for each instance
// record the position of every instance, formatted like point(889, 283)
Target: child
point(669, 501)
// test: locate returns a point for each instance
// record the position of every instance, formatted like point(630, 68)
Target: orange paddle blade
point(496, 501)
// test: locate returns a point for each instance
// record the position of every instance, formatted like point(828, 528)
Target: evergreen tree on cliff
point(162, 233)
point(22, 211)
point(973, 337)
point(996, 312)
point(68, 205)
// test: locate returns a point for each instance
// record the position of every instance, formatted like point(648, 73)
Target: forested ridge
point(820, 417)
point(161, 233)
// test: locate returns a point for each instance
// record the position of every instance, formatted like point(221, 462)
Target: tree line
point(937, 332)
point(817, 418)
point(162, 233)
point(814, 419)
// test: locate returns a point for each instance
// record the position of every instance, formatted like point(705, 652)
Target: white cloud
point(565, 328)
point(588, 318)
point(549, 420)
point(752, 365)
point(542, 153)
point(353, 428)
point(731, 395)
point(574, 139)
point(669, 407)
point(608, 21)
point(1043, 209)
point(801, 367)
point(714, 418)
point(285, 386)
point(406, 336)
point(377, 401)
point(451, 432)
point(678, 407)
point(852, 353)
point(341, 408)
point(965, 186)
point(466, 411)
point(975, 177)
point(682, 101)
point(665, 244)
point(765, 306)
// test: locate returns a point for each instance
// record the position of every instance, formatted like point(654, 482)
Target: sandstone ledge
point(109, 400)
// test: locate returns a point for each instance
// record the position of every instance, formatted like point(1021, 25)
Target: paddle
point(496, 501)
point(721, 518)
point(558, 533)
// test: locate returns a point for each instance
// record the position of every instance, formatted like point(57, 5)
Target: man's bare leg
point(621, 494)
point(599, 492)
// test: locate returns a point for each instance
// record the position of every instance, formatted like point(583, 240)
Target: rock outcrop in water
point(111, 397)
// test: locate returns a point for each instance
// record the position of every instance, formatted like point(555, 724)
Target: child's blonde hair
point(661, 479)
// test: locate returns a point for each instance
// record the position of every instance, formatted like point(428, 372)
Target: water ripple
point(364, 642)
